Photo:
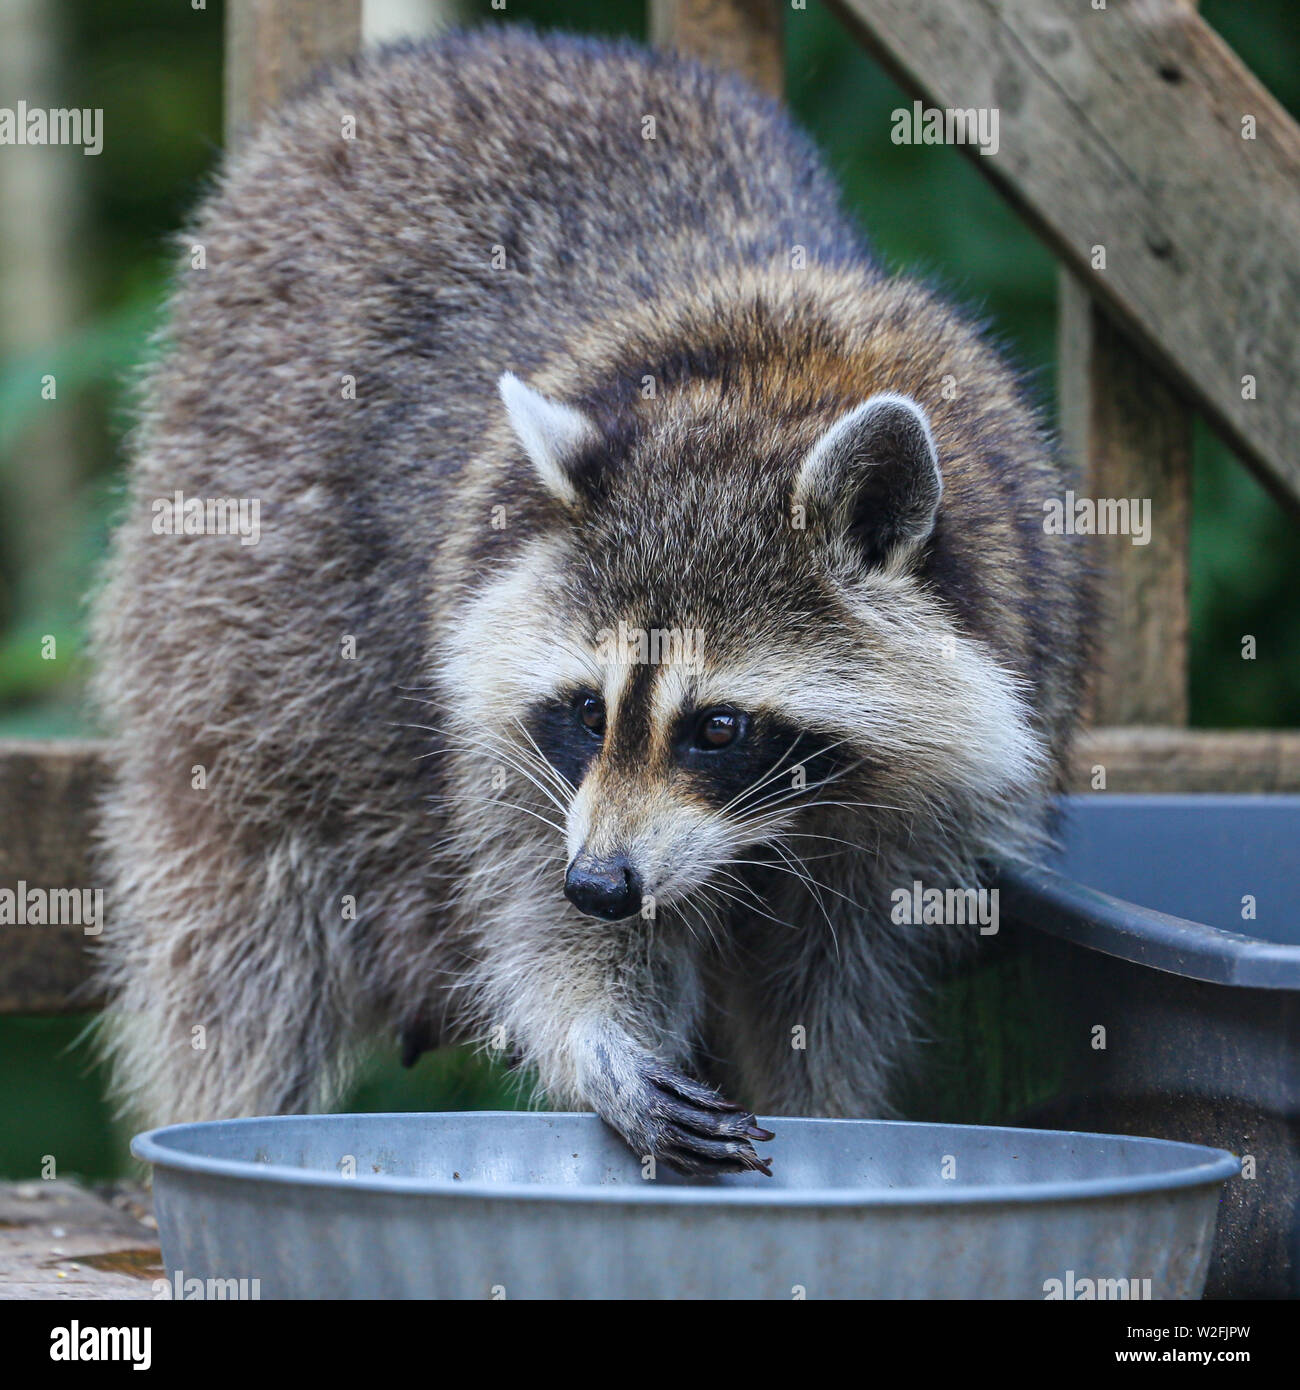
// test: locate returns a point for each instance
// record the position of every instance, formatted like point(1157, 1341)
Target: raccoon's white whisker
point(834, 839)
point(504, 755)
point(535, 758)
point(714, 921)
point(717, 888)
point(839, 772)
point(426, 700)
point(555, 772)
point(765, 779)
point(712, 914)
point(493, 747)
point(523, 771)
point(500, 801)
point(746, 888)
point(767, 863)
point(528, 776)
point(850, 805)
point(800, 864)
point(533, 861)
point(813, 887)
point(740, 883)
point(540, 762)
point(762, 779)
point(803, 874)
point(698, 909)
point(537, 761)
point(794, 793)
point(811, 858)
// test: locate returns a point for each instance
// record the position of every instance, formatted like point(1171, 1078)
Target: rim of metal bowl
point(1204, 1166)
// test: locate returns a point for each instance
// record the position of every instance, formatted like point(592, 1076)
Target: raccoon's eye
point(719, 728)
point(590, 710)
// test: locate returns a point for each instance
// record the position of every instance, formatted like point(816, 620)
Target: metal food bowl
point(537, 1205)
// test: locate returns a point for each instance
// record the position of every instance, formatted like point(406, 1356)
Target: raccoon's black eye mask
point(771, 763)
point(736, 758)
point(711, 730)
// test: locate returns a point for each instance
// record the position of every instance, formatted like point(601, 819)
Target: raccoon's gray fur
point(359, 764)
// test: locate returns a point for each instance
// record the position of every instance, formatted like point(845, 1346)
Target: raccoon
point(647, 587)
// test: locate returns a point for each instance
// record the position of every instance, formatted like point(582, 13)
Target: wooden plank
point(1123, 128)
point(274, 45)
point(1133, 435)
point(59, 1240)
point(1188, 760)
point(741, 35)
point(47, 794)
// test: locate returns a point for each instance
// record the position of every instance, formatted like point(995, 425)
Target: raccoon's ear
point(872, 480)
point(554, 435)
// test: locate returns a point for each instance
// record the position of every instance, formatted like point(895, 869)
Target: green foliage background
point(155, 69)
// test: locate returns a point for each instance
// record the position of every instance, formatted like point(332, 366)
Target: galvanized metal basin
point(536, 1205)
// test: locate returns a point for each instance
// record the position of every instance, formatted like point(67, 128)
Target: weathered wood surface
point(46, 823)
point(1189, 760)
point(1132, 433)
point(60, 1240)
point(741, 35)
point(273, 45)
point(47, 795)
point(1122, 128)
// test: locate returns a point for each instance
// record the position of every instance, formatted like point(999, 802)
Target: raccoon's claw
point(693, 1091)
point(696, 1131)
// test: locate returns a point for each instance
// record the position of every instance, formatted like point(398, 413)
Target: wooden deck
point(62, 1240)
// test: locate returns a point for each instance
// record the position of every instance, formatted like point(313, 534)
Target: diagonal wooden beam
point(1123, 128)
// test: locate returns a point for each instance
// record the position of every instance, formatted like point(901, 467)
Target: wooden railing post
point(742, 35)
point(1132, 434)
point(272, 45)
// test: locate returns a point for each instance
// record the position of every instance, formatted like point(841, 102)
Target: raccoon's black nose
point(608, 888)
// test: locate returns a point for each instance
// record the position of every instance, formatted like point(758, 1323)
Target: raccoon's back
point(438, 213)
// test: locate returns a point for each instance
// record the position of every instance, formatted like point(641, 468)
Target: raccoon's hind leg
point(226, 964)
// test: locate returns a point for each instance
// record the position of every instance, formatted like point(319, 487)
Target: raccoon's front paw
point(692, 1129)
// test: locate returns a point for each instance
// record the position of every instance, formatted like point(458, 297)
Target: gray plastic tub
point(532, 1205)
point(1141, 927)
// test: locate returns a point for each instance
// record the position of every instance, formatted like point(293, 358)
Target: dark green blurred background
point(155, 68)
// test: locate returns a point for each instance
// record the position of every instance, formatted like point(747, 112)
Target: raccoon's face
point(716, 654)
